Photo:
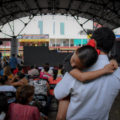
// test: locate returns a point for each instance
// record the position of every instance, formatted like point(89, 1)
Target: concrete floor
point(52, 116)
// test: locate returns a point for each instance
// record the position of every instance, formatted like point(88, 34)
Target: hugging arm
point(87, 76)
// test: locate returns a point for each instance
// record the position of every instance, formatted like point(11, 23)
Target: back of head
point(87, 55)
point(60, 66)
point(7, 70)
point(105, 39)
point(24, 93)
point(46, 68)
point(20, 75)
point(32, 67)
point(55, 72)
point(19, 67)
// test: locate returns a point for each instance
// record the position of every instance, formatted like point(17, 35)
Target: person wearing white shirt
point(93, 100)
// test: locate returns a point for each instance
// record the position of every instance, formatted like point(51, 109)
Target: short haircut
point(32, 67)
point(55, 72)
point(87, 55)
point(60, 66)
point(19, 67)
point(24, 93)
point(46, 68)
point(105, 39)
point(3, 103)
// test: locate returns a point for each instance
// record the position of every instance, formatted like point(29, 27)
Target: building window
point(40, 25)
point(53, 28)
point(62, 28)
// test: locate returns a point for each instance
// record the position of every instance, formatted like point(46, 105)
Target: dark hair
point(20, 75)
point(24, 93)
point(55, 72)
point(47, 63)
point(105, 39)
point(87, 55)
point(60, 66)
point(46, 68)
point(19, 67)
point(3, 79)
point(32, 67)
point(3, 103)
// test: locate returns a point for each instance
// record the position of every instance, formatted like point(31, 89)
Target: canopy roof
point(104, 12)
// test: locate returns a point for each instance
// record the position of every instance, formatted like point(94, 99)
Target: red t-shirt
point(22, 112)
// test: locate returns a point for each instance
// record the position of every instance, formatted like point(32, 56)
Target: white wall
point(72, 28)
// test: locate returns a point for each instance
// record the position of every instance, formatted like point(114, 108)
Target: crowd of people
point(27, 91)
point(85, 85)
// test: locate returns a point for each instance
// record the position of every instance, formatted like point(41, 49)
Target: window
point(53, 28)
point(62, 28)
point(40, 25)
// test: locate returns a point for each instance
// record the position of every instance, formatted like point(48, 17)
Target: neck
point(102, 53)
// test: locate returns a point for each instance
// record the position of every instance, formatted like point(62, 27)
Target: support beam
point(25, 26)
point(11, 28)
point(100, 4)
point(86, 21)
point(80, 24)
point(38, 6)
point(5, 33)
point(70, 4)
point(14, 46)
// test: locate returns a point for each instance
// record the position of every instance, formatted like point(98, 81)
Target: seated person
point(18, 80)
point(33, 71)
point(49, 69)
point(53, 81)
point(22, 109)
point(44, 74)
point(7, 72)
point(7, 89)
point(18, 69)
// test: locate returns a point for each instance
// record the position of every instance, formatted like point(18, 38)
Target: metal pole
point(69, 43)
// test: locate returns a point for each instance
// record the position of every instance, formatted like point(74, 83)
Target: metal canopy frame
point(104, 12)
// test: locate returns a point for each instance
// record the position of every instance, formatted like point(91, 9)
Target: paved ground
point(115, 111)
point(53, 110)
point(52, 116)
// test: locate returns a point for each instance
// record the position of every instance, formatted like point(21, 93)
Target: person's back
point(93, 100)
point(22, 109)
point(13, 62)
point(24, 112)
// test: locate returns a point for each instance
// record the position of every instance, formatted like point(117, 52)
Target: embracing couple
point(89, 88)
